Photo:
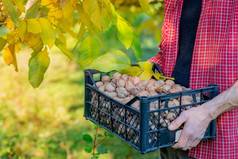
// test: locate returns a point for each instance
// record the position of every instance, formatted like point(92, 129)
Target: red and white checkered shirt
point(215, 60)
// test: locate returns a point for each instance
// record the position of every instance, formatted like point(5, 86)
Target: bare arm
point(197, 119)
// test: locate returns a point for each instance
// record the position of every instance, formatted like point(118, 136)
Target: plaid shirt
point(215, 60)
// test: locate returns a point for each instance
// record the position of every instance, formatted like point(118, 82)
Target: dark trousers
point(170, 153)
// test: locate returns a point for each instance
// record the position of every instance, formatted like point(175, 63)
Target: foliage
point(97, 143)
point(42, 24)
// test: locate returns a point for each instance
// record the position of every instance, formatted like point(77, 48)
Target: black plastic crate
point(144, 128)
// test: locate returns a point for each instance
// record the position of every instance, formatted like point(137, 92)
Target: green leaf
point(33, 11)
point(62, 47)
point(106, 19)
point(105, 133)
point(38, 64)
point(115, 60)
point(101, 149)
point(2, 43)
point(100, 135)
point(124, 32)
point(88, 149)
point(48, 34)
point(12, 10)
point(137, 47)
point(4, 30)
point(89, 50)
point(33, 26)
point(22, 27)
point(87, 138)
point(145, 5)
point(131, 71)
point(111, 135)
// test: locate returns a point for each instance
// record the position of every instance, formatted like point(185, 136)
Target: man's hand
point(196, 122)
point(197, 119)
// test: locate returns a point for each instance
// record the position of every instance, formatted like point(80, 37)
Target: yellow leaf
point(91, 7)
point(33, 26)
point(118, 1)
point(145, 5)
point(33, 40)
point(85, 19)
point(147, 70)
point(48, 34)
point(73, 2)
point(124, 32)
point(12, 37)
point(146, 65)
point(22, 27)
point(19, 4)
point(61, 37)
point(146, 75)
point(65, 27)
point(7, 56)
point(9, 23)
point(68, 12)
point(158, 75)
point(45, 2)
point(131, 71)
point(17, 47)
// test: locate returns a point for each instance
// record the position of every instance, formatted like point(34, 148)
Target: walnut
point(105, 79)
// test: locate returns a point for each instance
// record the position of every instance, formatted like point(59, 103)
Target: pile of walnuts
point(124, 88)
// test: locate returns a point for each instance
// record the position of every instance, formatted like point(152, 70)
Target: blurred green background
point(48, 122)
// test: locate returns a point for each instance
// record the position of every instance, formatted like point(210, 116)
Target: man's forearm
point(223, 102)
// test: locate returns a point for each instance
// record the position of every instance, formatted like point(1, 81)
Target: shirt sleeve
point(159, 59)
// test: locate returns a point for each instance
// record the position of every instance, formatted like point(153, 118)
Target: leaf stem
point(80, 36)
point(102, 139)
point(94, 142)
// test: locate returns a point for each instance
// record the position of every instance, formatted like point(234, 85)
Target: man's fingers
point(178, 122)
point(183, 139)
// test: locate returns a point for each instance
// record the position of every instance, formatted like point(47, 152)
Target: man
point(200, 46)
